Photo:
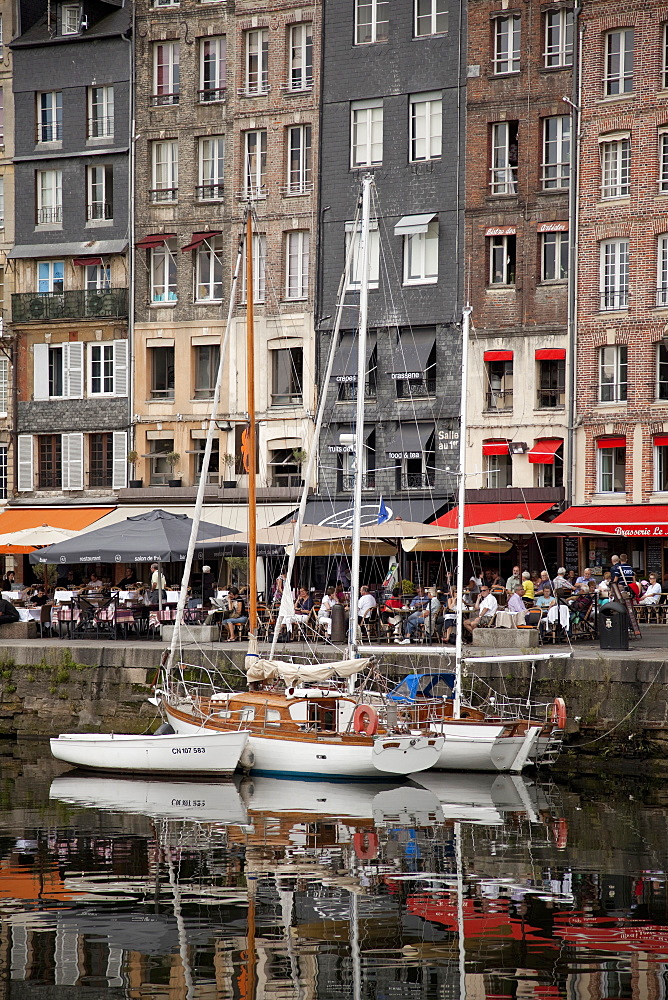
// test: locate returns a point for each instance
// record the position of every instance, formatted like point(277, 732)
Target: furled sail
point(293, 673)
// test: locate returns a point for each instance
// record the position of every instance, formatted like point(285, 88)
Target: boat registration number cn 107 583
point(188, 750)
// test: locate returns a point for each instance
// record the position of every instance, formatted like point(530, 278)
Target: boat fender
point(290, 692)
point(365, 843)
point(560, 833)
point(559, 713)
point(164, 730)
point(247, 759)
point(365, 720)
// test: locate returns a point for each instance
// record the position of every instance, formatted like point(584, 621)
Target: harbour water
point(449, 886)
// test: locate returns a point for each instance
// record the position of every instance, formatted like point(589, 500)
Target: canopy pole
point(160, 586)
point(250, 376)
point(459, 607)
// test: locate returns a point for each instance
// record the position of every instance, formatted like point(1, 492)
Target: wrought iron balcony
point(34, 307)
point(416, 481)
point(348, 391)
point(368, 482)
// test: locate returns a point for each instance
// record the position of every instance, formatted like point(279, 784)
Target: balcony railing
point(53, 132)
point(548, 398)
point(500, 399)
point(47, 216)
point(210, 192)
point(163, 194)
point(504, 180)
point(416, 481)
point(99, 210)
point(101, 128)
point(34, 307)
point(348, 391)
point(415, 388)
point(159, 100)
point(614, 299)
point(368, 482)
point(211, 95)
point(662, 296)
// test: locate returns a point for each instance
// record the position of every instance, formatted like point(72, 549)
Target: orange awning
point(72, 518)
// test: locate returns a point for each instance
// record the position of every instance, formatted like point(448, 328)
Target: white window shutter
point(4, 386)
point(40, 364)
point(120, 369)
point(25, 463)
point(65, 461)
point(120, 458)
point(72, 461)
point(73, 370)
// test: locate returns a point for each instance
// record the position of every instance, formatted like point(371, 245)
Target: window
point(426, 126)
point(431, 17)
point(209, 271)
point(69, 15)
point(2, 201)
point(213, 478)
point(58, 370)
point(619, 62)
point(213, 69)
point(165, 169)
point(284, 468)
point(207, 359)
point(301, 57)
point(502, 260)
point(660, 468)
point(507, 44)
point(2, 112)
point(101, 369)
point(259, 269)
point(554, 256)
point(611, 470)
point(255, 170)
point(354, 257)
point(257, 66)
point(4, 386)
point(51, 277)
point(3, 460)
point(371, 21)
point(499, 385)
point(556, 152)
point(100, 461)
point(100, 193)
point(499, 469)
point(98, 277)
point(296, 264)
point(299, 159)
point(421, 256)
point(346, 463)
point(663, 162)
point(366, 140)
point(559, 38)
point(55, 371)
point(665, 56)
point(662, 371)
point(551, 474)
point(612, 373)
point(161, 470)
point(165, 73)
point(163, 272)
point(504, 157)
point(286, 376)
point(49, 450)
point(551, 384)
point(50, 116)
point(162, 372)
point(100, 112)
point(1, 48)
point(415, 470)
point(662, 271)
point(211, 185)
point(614, 276)
point(165, 3)
point(615, 168)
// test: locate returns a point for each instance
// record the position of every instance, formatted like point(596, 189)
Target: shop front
point(640, 531)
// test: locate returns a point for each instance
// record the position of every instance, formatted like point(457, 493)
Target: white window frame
point(619, 82)
point(4, 452)
point(297, 245)
point(495, 465)
point(501, 243)
point(72, 369)
point(615, 155)
point(661, 385)
point(299, 167)
point(663, 161)
point(164, 170)
point(662, 270)
point(49, 116)
point(614, 274)
point(165, 3)
point(613, 373)
point(101, 126)
point(354, 259)
point(430, 21)
point(366, 133)
point(51, 266)
point(507, 41)
point(257, 47)
point(556, 153)
point(25, 462)
point(209, 271)
point(421, 256)
point(558, 53)
point(164, 257)
point(561, 244)
point(425, 126)
point(664, 68)
point(255, 163)
point(1, 43)
point(99, 183)
point(211, 168)
point(70, 19)
point(101, 367)
point(212, 69)
point(300, 55)
point(4, 386)
point(2, 201)
point(503, 174)
point(98, 278)
point(376, 29)
point(171, 64)
point(660, 477)
point(606, 461)
point(259, 269)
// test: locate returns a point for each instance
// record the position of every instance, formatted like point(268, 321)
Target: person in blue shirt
point(622, 572)
point(420, 598)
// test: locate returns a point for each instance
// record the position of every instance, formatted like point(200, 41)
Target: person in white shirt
point(325, 612)
point(653, 593)
point(486, 606)
point(366, 602)
point(158, 581)
point(560, 582)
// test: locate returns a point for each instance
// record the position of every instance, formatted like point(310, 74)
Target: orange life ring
point(365, 843)
point(560, 833)
point(559, 713)
point(365, 720)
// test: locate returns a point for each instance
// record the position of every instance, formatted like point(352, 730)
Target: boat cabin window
point(247, 714)
point(272, 717)
point(322, 715)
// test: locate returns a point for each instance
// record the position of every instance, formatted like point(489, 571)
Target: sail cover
point(292, 673)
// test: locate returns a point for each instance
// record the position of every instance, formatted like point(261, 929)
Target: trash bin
point(338, 624)
point(613, 626)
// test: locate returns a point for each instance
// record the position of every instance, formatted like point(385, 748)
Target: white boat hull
point(170, 755)
point(483, 747)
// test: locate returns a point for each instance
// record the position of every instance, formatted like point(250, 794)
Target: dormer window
point(70, 16)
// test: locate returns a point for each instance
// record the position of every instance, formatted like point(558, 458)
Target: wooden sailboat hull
point(169, 755)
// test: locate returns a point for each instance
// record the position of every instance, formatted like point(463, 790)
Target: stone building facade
point(7, 359)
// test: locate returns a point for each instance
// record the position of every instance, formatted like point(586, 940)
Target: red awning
point(495, 447)
point(85, 261)
point(661, 440)
point(611, 442)
point(550, 354)
point(632, 521)
point(198, 239)
point(498, 355)
point(156, 240)
point(484, 513)
point(543, 452)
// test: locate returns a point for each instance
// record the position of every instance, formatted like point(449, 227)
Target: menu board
point(653, 565)
point(571, 554)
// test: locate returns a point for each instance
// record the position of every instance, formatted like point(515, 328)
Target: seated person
point(420, 599)
point(515, 601)
point(545, 599)
point(325, 612)
point(426, 616)
point(486, 607)
point(388, 615)
point(9, 580)
point(365, 605)
point(128, 581)
point(94, 583)
point(8, 612)
point(544, 580)
point(561, 581)
point(528, 590)
point(580, 605)
point(236, 613)
point(38, 597)
point(653, 593)
point(303, 605)
point(449, 614)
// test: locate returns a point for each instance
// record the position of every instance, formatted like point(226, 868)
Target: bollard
point(338, 624)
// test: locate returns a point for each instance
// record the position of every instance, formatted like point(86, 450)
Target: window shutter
point(120, 368)
point(25, 463)
point(120, 460)
point(72, 461)
point(4, 386)
point(40, 365)
point(73, 364)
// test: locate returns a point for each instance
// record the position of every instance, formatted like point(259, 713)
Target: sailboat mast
point(466, 322)
point(359, 413)
point(252, 449)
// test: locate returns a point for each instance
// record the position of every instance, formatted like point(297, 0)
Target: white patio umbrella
point(32, 538)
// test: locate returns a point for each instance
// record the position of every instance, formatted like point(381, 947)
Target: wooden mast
point(251, 442)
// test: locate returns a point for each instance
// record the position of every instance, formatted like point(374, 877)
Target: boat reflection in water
point(439, 887)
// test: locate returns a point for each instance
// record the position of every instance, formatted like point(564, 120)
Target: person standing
point(158, 581)
point(622, 572)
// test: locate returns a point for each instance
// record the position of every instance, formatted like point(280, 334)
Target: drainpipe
point(573, 221)
point(131, 228)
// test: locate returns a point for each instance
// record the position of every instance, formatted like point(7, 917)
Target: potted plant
point(228, 464)
point(300, 457)
point(173, 458)
point(134, 484)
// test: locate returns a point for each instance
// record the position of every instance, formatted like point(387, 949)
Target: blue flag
point(383, 512)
